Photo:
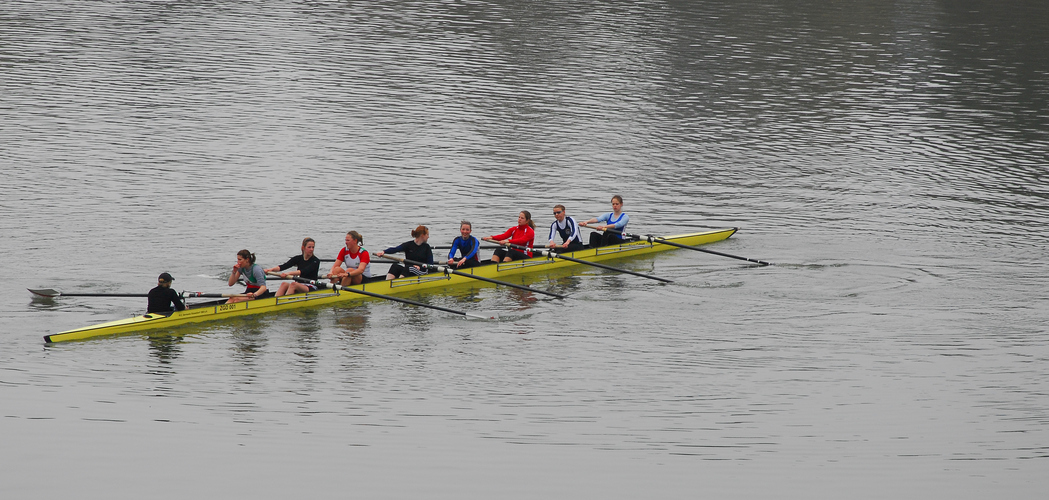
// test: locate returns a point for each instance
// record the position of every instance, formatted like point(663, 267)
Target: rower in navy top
point(615, 219)
point(162, 299)
point(467, 246)
point(416, 249)
point(567, 228)
point(307, 266)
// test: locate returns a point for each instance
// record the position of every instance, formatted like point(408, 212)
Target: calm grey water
point(891, 158)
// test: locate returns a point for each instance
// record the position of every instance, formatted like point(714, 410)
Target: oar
point(649, 238)
point(448, 269)
point(482, 247)
point(216, 295)
point(48, 292)
point(395, 299)
point(276, 276)
point(550, 253)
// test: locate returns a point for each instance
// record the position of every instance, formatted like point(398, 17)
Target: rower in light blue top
point(615, 219)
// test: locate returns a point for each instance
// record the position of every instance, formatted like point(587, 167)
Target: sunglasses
point(557, 212)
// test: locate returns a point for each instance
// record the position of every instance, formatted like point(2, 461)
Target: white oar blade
point(478, 316)
point(44, 292)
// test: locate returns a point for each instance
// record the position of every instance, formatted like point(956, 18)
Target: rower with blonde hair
point(355, 258)
point(615, 220)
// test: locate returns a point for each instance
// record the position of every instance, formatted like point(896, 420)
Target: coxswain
point(162, 299)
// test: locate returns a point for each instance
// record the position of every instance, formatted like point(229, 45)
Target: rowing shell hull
point(402, 286)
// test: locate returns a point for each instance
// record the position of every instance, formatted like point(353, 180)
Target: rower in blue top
point(467, 246)
point(615, 219)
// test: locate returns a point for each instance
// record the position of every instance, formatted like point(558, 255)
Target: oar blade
point(478, 316)
point(44, 292)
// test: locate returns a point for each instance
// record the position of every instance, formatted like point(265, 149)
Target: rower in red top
point(522, 234)
point(358, 262)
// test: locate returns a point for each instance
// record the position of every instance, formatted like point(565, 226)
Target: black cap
point(165, 277)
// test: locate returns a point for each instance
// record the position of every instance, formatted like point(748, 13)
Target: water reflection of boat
point(210, 311)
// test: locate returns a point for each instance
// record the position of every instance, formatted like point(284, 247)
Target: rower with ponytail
point(252, 273)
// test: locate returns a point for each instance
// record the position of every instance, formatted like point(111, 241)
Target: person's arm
point(234, 276)
point(455, 246)
point(398, 248)
point(523, 237)
point(296, 261)
point(338, 263)
point(176, 300)
point(589, 221)
point(501, 237)
point(605, 218)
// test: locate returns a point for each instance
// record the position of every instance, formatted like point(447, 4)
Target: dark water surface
point(890, 158)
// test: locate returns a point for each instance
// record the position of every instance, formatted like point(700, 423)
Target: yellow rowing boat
point(401, 286)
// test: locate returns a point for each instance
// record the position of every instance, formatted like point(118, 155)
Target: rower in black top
point(308, 267)
point(162, 299)
point(417, 249)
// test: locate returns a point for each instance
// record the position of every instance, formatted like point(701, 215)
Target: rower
point(253, 275)
point(416, 249)
point(567, 228)
point(162, 299)
point(615, 219)
point(356, 259)
point(522, 234)
point(467, 246)
point(307, 267)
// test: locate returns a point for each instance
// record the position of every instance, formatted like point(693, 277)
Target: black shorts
point(514, 254)
point(399, 270)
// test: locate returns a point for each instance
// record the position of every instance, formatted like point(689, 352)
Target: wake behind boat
point(212, 311)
